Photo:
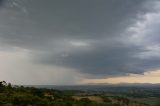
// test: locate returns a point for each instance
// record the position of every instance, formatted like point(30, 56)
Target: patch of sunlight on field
point(97, 99)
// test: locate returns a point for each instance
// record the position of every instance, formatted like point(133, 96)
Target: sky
point(67, 42)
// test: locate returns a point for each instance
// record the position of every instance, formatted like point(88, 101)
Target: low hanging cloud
point(96, 38)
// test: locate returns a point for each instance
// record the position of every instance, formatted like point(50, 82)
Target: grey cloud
point(48, 27)
point(101, 60)
point(52, 20)
point(1, 2)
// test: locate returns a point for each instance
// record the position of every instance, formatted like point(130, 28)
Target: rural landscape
point(80, 96)
point(79, 52)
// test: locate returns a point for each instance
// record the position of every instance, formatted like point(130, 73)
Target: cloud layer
point(94, 38)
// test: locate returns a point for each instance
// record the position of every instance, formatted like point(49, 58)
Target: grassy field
point(97, 99)
point(153, 101)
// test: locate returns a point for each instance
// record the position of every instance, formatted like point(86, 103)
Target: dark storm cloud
point(1, 1)
point(50, 20)
point(86, 35)
point(101, 60)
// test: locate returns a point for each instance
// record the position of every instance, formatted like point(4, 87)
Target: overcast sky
point(79, 41)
